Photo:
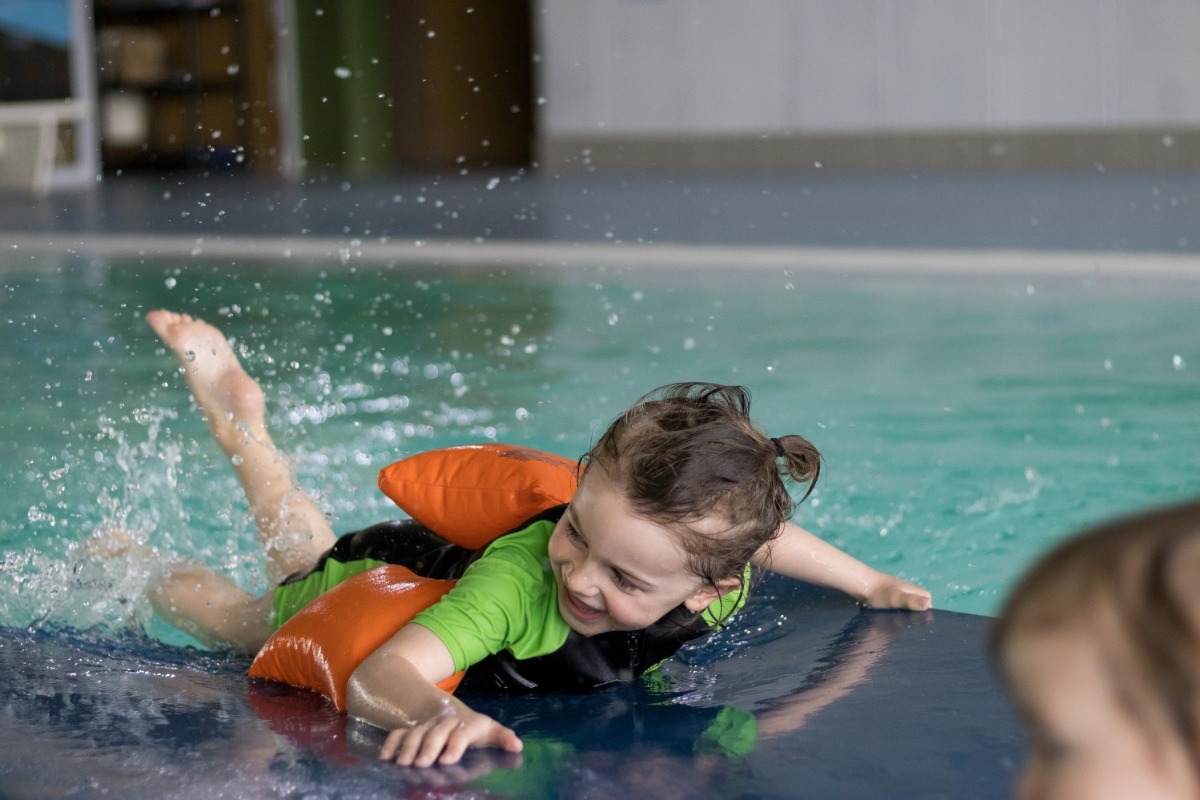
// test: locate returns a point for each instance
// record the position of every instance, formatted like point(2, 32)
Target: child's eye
point(571, 533)
point(623, 582)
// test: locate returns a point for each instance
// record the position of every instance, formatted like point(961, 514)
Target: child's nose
point(581, 580)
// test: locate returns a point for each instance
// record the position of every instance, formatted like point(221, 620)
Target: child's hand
point(444, 738)
point(891, 592)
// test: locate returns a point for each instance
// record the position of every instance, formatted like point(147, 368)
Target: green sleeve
point(504, 601)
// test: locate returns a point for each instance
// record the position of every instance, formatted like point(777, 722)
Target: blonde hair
point(1133, 587)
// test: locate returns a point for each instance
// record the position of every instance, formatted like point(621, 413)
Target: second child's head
point(679, 493)
point(1100, 645)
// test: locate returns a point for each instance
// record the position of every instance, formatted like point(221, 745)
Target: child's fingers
point(444, 741)
point(406, 745)
point(434, 742)
point(917, 599)
point(503, 738)
point(456, 744)
point(909, 600)
point(401, 746)
point(895, 593)
point(508, 740)
point(488, 734)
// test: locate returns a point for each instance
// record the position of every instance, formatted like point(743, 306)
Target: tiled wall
point(811, 67)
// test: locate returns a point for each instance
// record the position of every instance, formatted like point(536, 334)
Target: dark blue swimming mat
point(833, 702)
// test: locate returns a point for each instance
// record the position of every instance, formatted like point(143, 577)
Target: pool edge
point(469, 254)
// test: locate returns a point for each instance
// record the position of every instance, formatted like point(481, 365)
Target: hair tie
point(779, 451)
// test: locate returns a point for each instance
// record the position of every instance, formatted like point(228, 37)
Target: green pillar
point(344, 85)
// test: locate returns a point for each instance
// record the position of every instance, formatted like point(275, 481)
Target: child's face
point(616, 571)
point(1082, 743)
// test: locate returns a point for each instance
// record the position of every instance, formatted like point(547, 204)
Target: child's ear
point(702, 598)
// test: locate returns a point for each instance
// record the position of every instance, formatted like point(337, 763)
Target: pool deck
point(1129, 223)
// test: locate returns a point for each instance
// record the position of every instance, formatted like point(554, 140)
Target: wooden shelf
point(182, 82)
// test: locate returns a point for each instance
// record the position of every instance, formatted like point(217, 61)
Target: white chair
point(29, 141)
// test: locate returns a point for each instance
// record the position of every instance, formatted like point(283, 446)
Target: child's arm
point(395, 688)
point(798, 554)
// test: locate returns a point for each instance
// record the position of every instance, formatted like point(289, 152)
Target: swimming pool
point(966, 422)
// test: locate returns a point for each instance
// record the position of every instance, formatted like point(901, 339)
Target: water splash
point(94, 574)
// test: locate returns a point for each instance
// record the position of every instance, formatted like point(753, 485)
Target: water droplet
point(189, 355)
point(342, 72)
point(236, 460)
point(1177, 361)
point(169, 283)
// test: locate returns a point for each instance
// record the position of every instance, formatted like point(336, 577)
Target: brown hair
point(688, 452)
point(1133, 587)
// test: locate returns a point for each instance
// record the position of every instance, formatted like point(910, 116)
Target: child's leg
point(291, 528)
point(212, 608)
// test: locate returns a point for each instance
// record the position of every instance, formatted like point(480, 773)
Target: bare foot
point(290, 525)
point(105, 544)
point(231, 402)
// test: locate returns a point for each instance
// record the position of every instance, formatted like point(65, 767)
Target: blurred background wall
point(870, 83)
point(363, 86)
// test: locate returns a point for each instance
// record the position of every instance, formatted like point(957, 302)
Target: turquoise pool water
point(966, 423)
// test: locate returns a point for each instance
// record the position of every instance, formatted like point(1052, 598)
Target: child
point(680, 496)
point(1100, 645)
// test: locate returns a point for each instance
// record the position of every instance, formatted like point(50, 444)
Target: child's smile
point(617, 571)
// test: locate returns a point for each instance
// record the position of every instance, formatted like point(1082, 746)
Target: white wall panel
point(713, 67)
point(933, 64)
point(834, 76)
point(1158, 47)
point(1047, 62)
point(725, 52)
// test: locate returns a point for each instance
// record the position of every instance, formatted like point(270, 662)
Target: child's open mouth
point(578, 610)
